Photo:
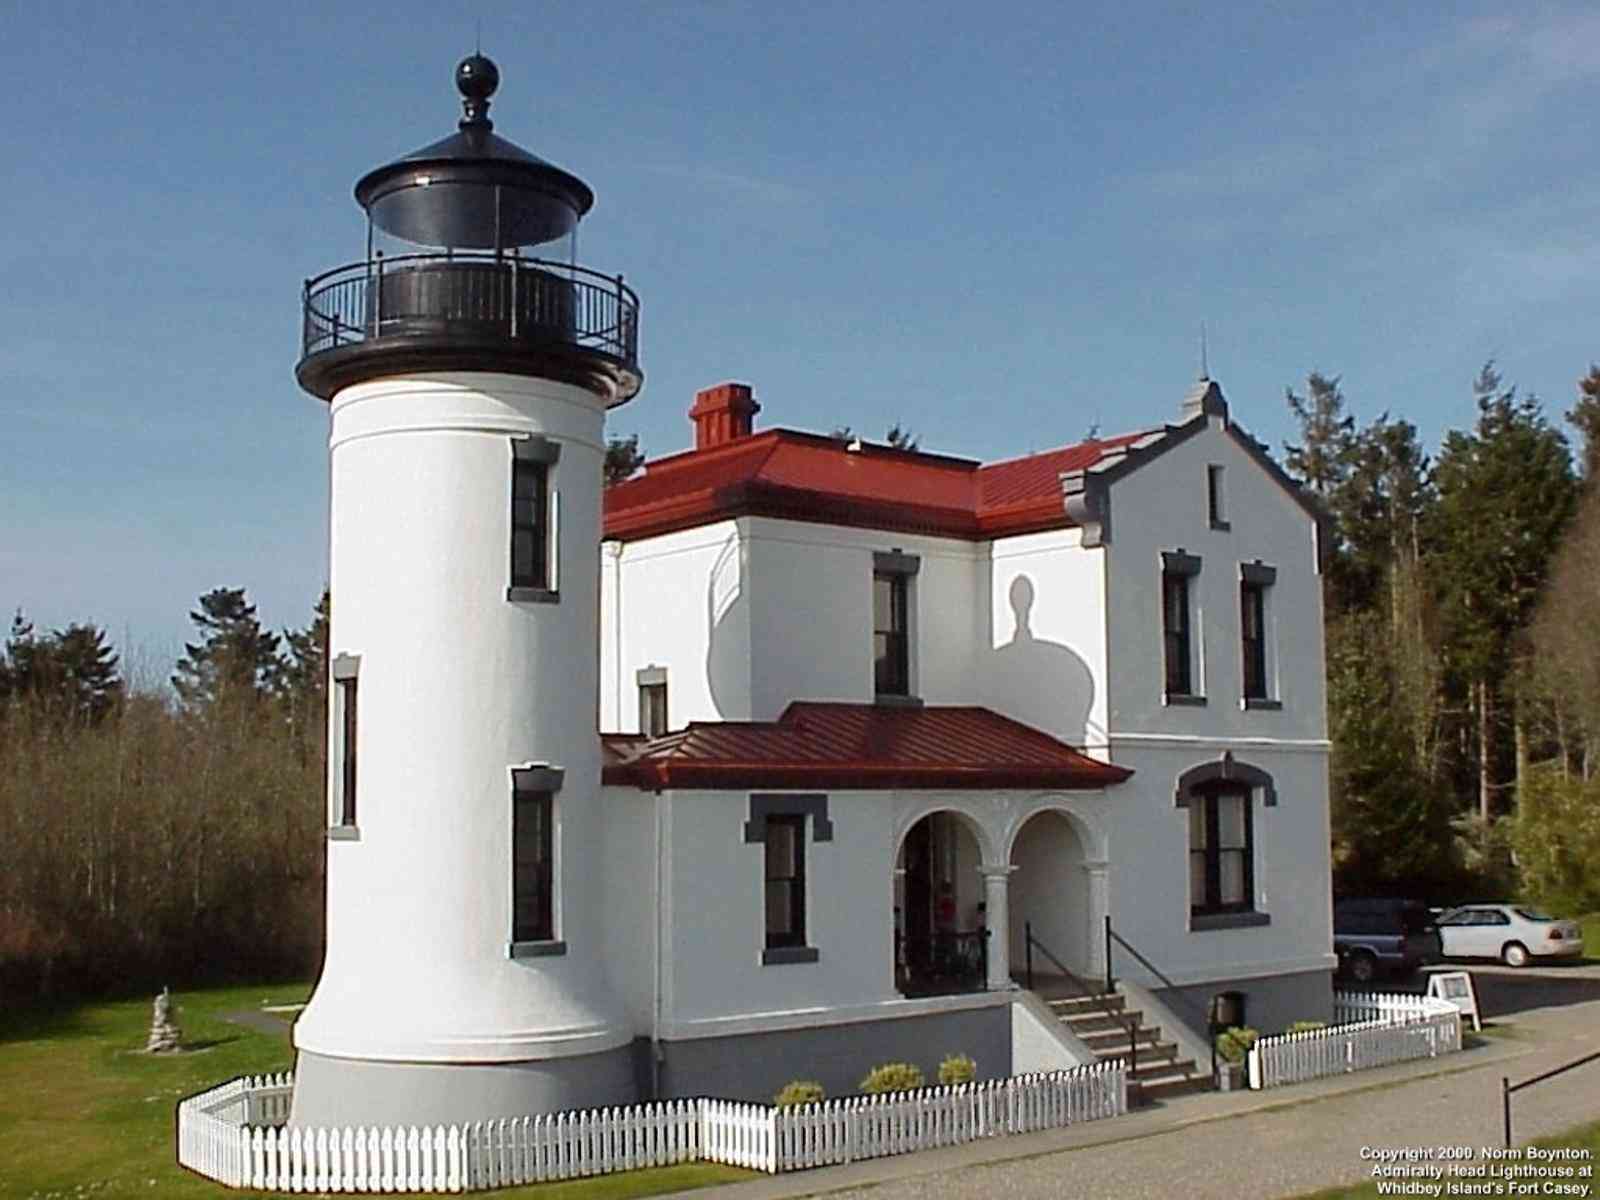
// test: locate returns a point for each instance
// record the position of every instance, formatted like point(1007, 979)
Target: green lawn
point(85, 1113)
point(1591, 935)
point(1584, 1137)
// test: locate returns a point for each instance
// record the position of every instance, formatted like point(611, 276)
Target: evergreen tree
point(1506, 494)
point(623, 458)
point(1320, 462)
point(900, 438)
point(302, 683)
point(1379, 508)
point(1584, 416)
point(235, 660)
point(86, 671)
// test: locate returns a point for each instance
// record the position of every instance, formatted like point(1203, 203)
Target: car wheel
point(1514, 955)
point(1363, 967)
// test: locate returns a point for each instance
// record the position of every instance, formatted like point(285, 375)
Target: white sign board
point(1457, 988)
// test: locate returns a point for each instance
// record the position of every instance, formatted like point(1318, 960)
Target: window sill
point(1221, 526)
point(531, 595)
point(1233, 920)
point(777, 956)
point(1174, 700)
point(535, 949)
point(890, 700)
point(344, 833)
point(1262, 704)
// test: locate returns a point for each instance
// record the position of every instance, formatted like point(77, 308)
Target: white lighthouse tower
point(468, 370)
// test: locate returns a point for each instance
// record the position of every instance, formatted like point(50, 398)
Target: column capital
point(996, 870)
point(1097, 866)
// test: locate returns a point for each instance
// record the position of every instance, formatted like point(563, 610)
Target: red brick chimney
point(723, 414)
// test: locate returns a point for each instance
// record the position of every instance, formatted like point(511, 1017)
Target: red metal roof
point(806, 477)
point(856, 747)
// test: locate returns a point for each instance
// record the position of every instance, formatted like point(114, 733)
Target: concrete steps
point(1103, 1024)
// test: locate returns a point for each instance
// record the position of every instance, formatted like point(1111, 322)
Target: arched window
point(1221, 800)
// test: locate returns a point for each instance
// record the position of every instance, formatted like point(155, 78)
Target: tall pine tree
point(236, 661)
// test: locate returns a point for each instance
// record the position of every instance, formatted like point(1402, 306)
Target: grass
point(1591, 935)
point(1583, 1137)
point(84, 1113)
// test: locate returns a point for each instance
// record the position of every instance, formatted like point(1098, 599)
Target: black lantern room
point(471, 265)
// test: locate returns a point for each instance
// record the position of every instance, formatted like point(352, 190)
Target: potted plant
point(1233, 1047)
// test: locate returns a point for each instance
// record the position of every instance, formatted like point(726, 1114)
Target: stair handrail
point(1088, 993)
point(1172, 989)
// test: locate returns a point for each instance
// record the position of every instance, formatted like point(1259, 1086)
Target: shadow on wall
point(728, 634)
point(1042, 684)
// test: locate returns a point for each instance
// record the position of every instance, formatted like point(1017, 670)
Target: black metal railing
point(953, 961)
point(1508, 1089)
point(1103, 999)
point(1207, 1015)
point(473, 294)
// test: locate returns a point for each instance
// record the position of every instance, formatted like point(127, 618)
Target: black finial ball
point(477, 77)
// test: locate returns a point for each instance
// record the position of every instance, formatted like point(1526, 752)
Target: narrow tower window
point(1216, 500)
point(786, 880)
point(1255, 583)
point(343, 751)
point(653, 708)
point(892, 576)
point(534, 509)
point(533, 861)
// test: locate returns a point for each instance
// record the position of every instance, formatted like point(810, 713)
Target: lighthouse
point(468, 362)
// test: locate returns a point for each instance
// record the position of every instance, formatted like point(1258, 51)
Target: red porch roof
point(856, 747)
point(807, 477)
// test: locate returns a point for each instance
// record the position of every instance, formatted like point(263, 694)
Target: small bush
point(957, 1069)
point(1234, 1043)
point(892, 1077)
point(1306, 1026)
point(799, 1091)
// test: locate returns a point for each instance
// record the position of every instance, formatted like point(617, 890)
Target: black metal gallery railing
point(955, 961)
point(472, 295)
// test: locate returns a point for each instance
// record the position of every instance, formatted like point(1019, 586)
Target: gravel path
point(1296, 1140)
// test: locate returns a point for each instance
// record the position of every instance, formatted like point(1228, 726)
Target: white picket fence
point(233, 1134)
point(1376, 1030)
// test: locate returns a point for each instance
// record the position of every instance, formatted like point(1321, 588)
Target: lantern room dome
point(474, 189)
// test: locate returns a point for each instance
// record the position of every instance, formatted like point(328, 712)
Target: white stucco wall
point(456, 686)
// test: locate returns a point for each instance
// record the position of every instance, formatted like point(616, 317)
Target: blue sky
point(997, 224)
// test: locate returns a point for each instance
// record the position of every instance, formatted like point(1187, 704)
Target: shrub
point(1306, 1026)
point(1234, 1043)
point(892, 1077)
point(799, 1091)
point(957, 1069)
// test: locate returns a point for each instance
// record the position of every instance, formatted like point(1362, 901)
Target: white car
point(1513, 933)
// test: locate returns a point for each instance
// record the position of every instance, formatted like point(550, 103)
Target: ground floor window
point(1220, 851)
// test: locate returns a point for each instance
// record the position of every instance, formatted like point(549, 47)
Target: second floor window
point(535, 510)
point(891, 650)
point(1175, 622)
point(1253, 638)
point(786, 880)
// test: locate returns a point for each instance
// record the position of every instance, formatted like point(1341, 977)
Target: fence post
point(1505, 1106)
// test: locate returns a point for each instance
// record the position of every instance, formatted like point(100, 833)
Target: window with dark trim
point(345, 669)
point(1254, 581)
point(532, 866)
point(1216, 500)
point(786, 880)
point(534, 509)
point(891, 650)
point(1177, 627)
point(1221, 850)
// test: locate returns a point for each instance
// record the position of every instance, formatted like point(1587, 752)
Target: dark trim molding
point(535, 447)
point(650, 676)
point(787, 804)
point(535, 949)
point(1226, 770)
point(528, 595)
point(1238, 920)
point(542, 778)
point(891, 700)
point(896, 562)
point(344, 833)
point(1181, 700)
point(346, 666)
point(1262, 704)
point(776, 956)
point(1258, 573)
point(1176, 562)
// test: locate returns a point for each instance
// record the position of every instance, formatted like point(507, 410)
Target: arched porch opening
point(940, 926)
point(1050, 891)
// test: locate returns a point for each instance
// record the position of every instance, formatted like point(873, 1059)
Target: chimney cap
point(723, 413)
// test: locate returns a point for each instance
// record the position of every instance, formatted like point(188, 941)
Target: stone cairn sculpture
point(165, 1036)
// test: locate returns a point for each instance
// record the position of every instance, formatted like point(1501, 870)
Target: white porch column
point(1099, 904)
point(997, 920)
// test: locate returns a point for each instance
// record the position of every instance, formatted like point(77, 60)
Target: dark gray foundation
point(754, 1066)
point(349, 1091)
point(1271, 1003)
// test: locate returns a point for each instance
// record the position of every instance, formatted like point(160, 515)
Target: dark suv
point(1376, 934)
